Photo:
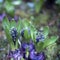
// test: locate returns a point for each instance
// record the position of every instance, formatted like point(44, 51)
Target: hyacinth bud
point(40, 37)
point(14, 34)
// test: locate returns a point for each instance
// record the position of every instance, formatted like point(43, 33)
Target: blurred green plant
point(47, 41)
point(29, 33)
point(51, 51)
point(7, 27)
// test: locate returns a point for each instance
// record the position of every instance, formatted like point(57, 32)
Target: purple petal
point(15, 54)
point(2, 16)
point(41, 56)
point(32, 54)
point(31, 46)
point(24, 45)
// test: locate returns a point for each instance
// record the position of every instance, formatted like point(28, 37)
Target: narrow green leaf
point(26, 35)
point(6, 26)
point(38, 5)
point(46, 31)
point(6, 23)
point(39, 46)
point(33, 32)
point(50, 41)
point(12, 23)
point(19, 26)
point(26, 23)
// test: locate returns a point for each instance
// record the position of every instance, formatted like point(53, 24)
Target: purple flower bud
point(40, 38)
point(14, 34)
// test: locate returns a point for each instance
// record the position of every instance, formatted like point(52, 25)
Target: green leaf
point(26, 35)
point(6, 26)
point(46, 31)
point(50, 41)
point(30, 26)
point(32, 34)
point(26, 23)
point(38, 5)
point(6, 23)
point(9, 8)
point(12, 23)
point(39, 46)
point(19, 26)
point(33, 31)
